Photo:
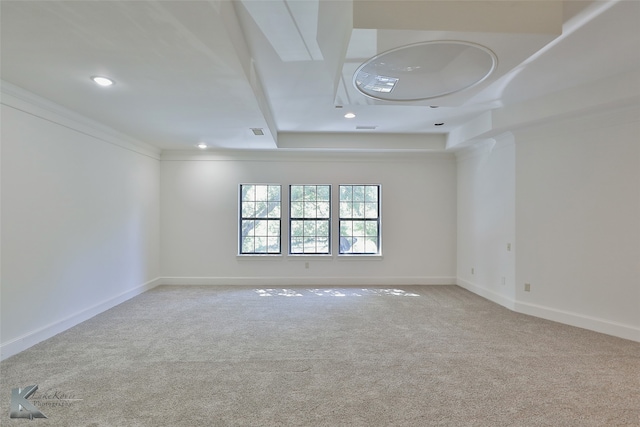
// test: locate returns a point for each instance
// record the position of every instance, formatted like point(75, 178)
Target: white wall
point(200, 218)
point(566, 195)
point(486, 220)
point(80, 222)
point(578, 221)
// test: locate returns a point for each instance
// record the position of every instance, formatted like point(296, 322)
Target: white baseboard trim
point(307, 281)
point(580, 320)
point(568, 318)
point(488, 294)
point(32, 338)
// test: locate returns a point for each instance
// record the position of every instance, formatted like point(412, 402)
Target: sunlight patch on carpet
point(333, 292)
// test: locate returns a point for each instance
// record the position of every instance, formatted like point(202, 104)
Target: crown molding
point(30, 103)
point(287, 155)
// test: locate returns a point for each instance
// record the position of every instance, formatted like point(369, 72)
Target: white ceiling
point(210, 71)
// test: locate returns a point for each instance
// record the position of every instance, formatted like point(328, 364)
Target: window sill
point(363, 257)
point(308, 257)
point(260, 257)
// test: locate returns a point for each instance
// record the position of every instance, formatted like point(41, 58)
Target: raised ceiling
point(211, 71)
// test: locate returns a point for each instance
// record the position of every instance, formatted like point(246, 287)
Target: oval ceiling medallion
point(424, 70)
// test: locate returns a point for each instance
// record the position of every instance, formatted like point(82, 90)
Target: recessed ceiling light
point(202, 146)
point(349, 115)
point(102, 81)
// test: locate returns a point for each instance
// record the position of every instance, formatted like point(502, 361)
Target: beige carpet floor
point(376, 356)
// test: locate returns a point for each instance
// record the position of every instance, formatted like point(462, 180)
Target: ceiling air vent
point(366, 127)
point(257, 131)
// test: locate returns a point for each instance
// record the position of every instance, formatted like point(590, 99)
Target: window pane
point(371, 228)
point(309, 209)
point(297, 209)
point(309, 245)
point(309, 228)
point(273, 244)
point(261, 228)
point(324, 193)
point(371, 210)
point(248, 192)
point(274, 210)
point(262, 192)
point(358, 193)
point(358, 210)
point(297, 193)
point(346, 193)
point(323, 209)
point(310, 192)
point(297, 228)
point(248, 227)
point(371, 193)
point(248, 209)
point(358, 228)
point(274, 193)
point(247, 244)
point(346, 244)
point(296, 245)
point(261, 245)
point(323, 228)
point(261, 209)
point(345, 210)
point(346, 228)
point(273, 228)
point(322, 245)
point(371, 245)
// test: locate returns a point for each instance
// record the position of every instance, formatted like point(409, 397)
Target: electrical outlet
point(508, 246)
point(306, 265)
point(504, 280)
point(527, 287)
point(473, 270)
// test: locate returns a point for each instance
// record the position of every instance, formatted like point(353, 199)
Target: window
point(260, 219)
point(310, 219)
point(359, 219)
